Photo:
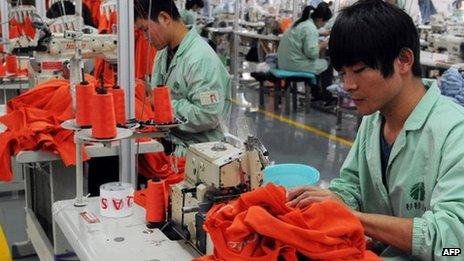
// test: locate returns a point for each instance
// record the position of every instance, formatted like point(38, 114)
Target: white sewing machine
point(454, 46)
point(215, 172)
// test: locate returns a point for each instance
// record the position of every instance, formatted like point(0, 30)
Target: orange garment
point(94, 7)
point(33, 123)
point(144, 55)
point(260, 226)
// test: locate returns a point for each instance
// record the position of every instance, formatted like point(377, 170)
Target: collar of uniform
point(187, 41)
point(419, 115)
point(422, 110)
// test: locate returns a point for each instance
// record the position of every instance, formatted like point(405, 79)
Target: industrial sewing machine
point(58, 42)
point(215, 172)
point(452, 44)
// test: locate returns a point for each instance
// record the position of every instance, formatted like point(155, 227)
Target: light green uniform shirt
point(200, 90)
point(189, 17)
point(425, 176)
point(299, 49)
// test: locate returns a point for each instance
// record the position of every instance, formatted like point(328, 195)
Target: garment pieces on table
point(260, 226)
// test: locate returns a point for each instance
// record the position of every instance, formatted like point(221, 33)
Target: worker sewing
point(200, 84)
point(299, 48)
point(403, 175)
point(190, 13)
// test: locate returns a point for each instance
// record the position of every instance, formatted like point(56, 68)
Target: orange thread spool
point(163, 106)
point(103, 119)
point(155, 202)
point(11, 64)
point(84, 94)
point(14, 32)
point(119, 105)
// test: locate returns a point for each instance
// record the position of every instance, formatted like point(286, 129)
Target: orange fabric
point(33, 121)
point(144, 55)
point(285, 23)
point(29, 29)
point(94, 7)
point(259, 226)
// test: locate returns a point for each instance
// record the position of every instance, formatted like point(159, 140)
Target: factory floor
point(310, 138)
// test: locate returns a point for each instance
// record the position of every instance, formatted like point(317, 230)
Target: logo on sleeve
point(417, 194)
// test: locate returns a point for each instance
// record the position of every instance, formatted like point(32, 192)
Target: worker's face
point(319, 23)
point(369, 90)
point(157, 32)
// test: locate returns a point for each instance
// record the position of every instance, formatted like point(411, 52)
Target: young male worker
point(404, 175)
point(200, 84)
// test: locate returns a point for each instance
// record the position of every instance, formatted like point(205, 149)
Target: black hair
point(142, 7)
point(321, 11)
point(56, 10)
point(375, 33)
point(189, 4)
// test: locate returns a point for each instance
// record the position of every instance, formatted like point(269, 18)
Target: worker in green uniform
point(299, 48)
point(403, 176)
point(200, 84)
point(190, 13)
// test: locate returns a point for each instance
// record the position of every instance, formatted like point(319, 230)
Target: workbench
point(125, 238)
point(47, 181)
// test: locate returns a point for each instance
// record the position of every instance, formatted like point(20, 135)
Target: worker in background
point(200, 84)
point(403, 176)
point(190, 13)
point(299, 49)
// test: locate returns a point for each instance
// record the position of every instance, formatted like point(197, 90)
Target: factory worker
point(200, 84)
point(190, 13)
point(299, 47)
point(403, 176)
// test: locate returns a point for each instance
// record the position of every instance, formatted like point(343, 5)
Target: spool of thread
point(155, 202)
point(163, 105)
point(116, 199)
point(84, 95)
point(119, 105)
point(103, 119)
point(11, 64)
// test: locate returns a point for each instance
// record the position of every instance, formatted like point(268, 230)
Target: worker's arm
point(392, 231)
point(208, 87)
point(347, 185)
point(442, 225)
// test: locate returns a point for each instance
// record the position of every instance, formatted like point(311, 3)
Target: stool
point(292, 78)
point(261, 77)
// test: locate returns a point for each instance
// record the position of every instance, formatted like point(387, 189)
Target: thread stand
point(81, 137)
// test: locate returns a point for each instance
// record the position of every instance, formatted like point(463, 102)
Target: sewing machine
point(454, 46)
point(215, 172)
point(58, 43)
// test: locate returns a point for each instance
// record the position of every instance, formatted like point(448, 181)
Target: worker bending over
point(403, 176)
point(199, 82)
point(300, 47)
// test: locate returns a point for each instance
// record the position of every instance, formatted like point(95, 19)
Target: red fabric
point(144, 55)
point(33, 121)
point(94, 7)
point(29, 29)
point(259, 226)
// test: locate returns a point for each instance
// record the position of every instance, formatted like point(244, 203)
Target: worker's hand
point(305, 196)
point(324, 44)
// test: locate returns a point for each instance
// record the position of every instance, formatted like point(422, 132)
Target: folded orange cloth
point(260, 226)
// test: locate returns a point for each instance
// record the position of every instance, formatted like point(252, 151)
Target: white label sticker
point(207, 98)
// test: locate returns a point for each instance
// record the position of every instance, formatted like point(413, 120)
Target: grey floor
point(286, 144)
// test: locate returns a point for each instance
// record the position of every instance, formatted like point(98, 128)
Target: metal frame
point(126, 79)
point(4, 9)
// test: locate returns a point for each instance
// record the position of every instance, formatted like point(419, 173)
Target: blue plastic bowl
point(291, 175)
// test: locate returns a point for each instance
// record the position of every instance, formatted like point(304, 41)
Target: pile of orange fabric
point(260, 226)
point(33, 123)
